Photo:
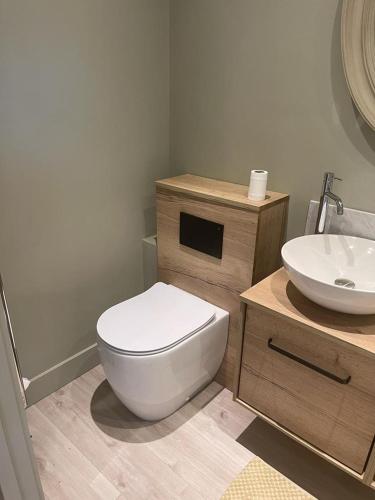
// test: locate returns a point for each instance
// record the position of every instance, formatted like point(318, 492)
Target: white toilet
point(160, 348)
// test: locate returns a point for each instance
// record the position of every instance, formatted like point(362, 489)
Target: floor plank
point(88, 445)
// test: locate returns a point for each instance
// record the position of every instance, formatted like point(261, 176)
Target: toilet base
point(161, 411)
point(156, 385)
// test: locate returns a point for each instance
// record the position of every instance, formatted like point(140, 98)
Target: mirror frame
point(358, 54)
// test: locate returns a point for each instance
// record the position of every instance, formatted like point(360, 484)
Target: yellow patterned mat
point(259, 481)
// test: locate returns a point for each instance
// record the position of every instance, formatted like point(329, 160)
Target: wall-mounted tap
point(327, 194)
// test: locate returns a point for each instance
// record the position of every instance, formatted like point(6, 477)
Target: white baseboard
point(61, 374)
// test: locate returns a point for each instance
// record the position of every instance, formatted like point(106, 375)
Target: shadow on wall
point(357, 130)
point(113, 418)
point(303, 467)
point(149, 215)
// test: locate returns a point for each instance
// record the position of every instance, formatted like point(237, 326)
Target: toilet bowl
point(160, 348)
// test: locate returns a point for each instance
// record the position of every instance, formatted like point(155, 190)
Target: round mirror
point(358, 54)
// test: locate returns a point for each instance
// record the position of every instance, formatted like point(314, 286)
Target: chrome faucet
point(327, 194)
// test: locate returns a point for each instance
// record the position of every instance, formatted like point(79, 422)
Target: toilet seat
point(154, 321)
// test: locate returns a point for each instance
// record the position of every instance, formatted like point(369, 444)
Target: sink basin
point(335, 271)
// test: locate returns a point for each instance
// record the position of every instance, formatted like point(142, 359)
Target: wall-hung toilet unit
point(160, 348)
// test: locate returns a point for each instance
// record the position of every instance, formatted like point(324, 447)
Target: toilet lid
point(155, 320)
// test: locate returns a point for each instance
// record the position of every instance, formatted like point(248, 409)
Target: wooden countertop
point(278, 295)
point(220, 191)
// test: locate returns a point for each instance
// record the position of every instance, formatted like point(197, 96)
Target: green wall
point(260, 84)
point(84, 131)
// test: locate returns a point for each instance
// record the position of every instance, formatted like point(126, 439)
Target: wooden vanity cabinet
point(310, 372)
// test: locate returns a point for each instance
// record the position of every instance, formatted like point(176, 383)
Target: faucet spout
point(327, 194)
point(338, 201)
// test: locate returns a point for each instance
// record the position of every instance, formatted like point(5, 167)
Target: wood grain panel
point(270, 239)
point(221, 297)
point(234, 270)
point(213, 190)
point(219, 281)
point(281, 298)
point(338, 419)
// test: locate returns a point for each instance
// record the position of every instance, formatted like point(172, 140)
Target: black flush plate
point(201, 234)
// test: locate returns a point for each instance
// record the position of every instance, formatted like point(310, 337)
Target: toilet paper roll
point(258, 185)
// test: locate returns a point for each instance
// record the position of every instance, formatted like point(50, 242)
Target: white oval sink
point(335, 271)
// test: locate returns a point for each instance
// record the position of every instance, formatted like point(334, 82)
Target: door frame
point(19, 478)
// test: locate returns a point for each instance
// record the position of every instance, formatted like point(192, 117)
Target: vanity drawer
point(318, 389)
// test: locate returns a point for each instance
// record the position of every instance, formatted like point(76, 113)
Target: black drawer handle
point(303, 362)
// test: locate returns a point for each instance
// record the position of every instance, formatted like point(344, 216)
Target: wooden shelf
point(227, 193)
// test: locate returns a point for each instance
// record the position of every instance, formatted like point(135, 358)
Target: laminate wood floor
point(89, 446)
